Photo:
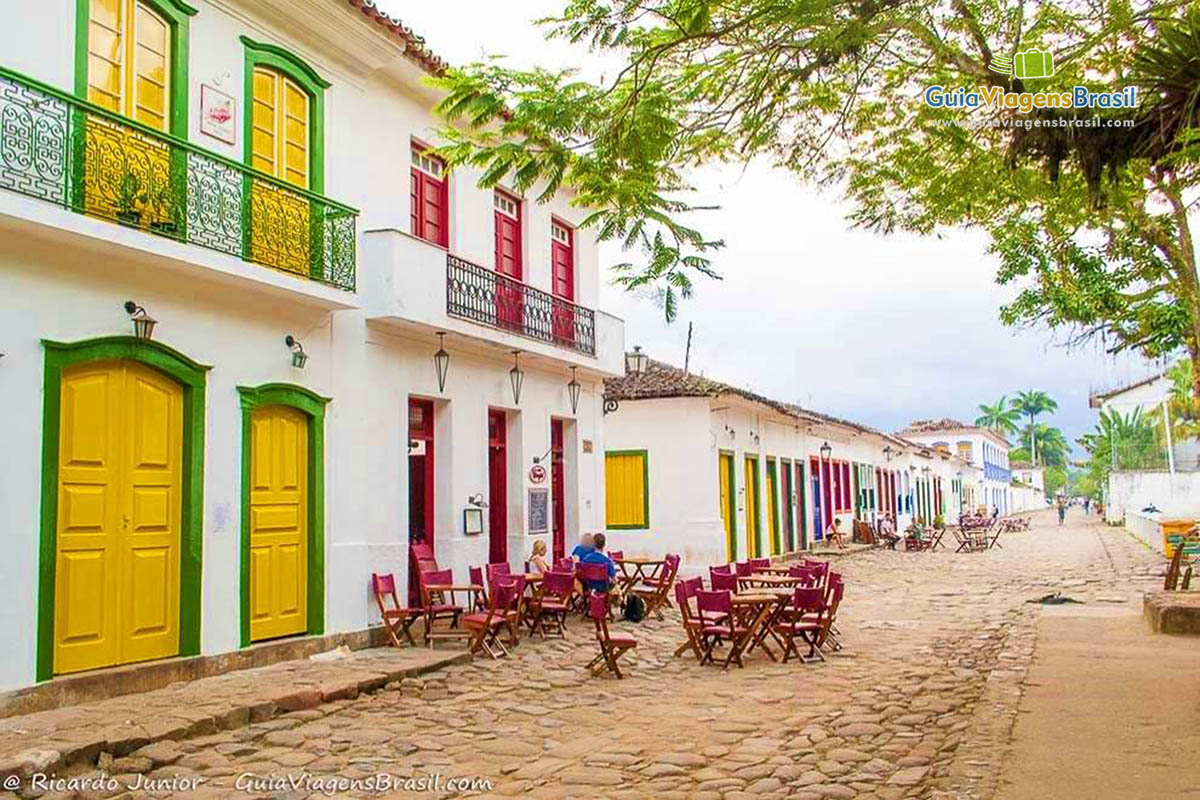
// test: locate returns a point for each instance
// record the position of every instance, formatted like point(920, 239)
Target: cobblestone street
point(920, 703)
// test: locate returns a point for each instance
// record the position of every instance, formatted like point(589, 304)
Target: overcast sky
point(878, 329)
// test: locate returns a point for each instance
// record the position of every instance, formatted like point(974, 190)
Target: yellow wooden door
point(751, 507)
point(726, 490)
point(119, 502)
point(772, 523)
point(278, 522)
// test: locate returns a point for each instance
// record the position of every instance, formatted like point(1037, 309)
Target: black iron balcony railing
point(74, 154)
point(485, 296)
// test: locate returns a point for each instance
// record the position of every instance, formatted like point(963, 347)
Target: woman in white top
point(537, 561)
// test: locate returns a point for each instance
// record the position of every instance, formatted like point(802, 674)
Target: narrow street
point(921, 702)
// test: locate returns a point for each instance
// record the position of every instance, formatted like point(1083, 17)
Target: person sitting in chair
point(585, 546)
point(833, 533)
point(887, 530)
point(597, 556)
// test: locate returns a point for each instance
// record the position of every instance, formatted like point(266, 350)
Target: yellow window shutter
point(106, 53)
point(625, 489)
point(263, 127)
point(151, 70)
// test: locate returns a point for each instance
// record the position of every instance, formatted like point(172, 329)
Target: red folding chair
point(760, 563)
point(613, 644)
point(553, 604)
point(481, 599)
point(591, 575)
point(486, 627)
point(616, 555)
point(806, 574)
point(721, 625)
point(692, 623)
point(802, 619)
point(724, 583)
point(654, 591)
point(743, 569)
point(438, 604)
point(397, 619)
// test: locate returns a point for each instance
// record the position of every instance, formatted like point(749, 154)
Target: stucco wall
point(1177, 494)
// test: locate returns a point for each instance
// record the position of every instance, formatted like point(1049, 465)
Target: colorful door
point(752, 515)
point(420, 484)
point(278, 522)
point(558, 489)
point(829, 495)
point(116, 593)
point(772, 507)
point(562, 281)
point(801, 516)
point(510, 294)
point(789, 507)
point(429, 205)
point(497, 486)
point(815, 474)
point(728, 507)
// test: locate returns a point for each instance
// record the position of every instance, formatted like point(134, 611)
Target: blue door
point(818, 528)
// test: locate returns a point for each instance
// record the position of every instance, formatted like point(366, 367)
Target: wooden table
point(752, 611)
point(773, 570)
point(473, 590)
point(769, 581)
point(639, 565)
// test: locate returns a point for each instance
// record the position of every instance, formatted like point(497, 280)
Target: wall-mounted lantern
point(573, 389)
point(516, 376)
point(635, 362)
point(441, 362)
point(143, 323)
point(299, 357)
point(888, 452)
point(826, 452)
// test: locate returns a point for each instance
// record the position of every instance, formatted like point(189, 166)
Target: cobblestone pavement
point(920, 703)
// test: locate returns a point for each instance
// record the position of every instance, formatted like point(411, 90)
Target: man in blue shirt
point(585, 546)
point(597, 556)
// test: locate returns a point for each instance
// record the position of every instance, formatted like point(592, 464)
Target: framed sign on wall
point(539, 510)
point(218, 115)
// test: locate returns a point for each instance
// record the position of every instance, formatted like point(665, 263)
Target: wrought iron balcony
point(74, 154)
point(489, 298)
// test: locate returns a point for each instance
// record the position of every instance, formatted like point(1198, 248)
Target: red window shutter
point(562, 261)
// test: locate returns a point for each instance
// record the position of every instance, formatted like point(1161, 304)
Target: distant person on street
point(1062, 509)
point(1087, 502)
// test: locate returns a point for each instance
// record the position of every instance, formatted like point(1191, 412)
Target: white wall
point(1177, 494)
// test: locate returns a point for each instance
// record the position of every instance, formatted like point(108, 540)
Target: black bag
point(635, 609)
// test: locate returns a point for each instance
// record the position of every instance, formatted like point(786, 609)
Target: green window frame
point(177, 13)
point(192, 377)
point(263, 54)
point(644, 524)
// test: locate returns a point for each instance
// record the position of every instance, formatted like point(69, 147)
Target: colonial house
point(973, 445)
point(258, 340)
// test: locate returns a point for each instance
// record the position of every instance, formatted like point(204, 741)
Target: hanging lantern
point(573, 391)
point(516, 376)
point(143, 323)
point(299, 357)
point(441, 362)
point(635, 362)
point(826, 451)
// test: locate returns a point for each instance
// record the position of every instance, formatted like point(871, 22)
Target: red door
point(829, 495)
point(420, 485)
point(510, 312)
point(497, 487)
point(562, 281)
point(428, 202)
point(557, 488)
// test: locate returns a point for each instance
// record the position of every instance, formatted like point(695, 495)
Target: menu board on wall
point(539, 510)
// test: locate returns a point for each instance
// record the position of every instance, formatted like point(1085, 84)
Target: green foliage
point(1033, 403)
point(1000, 417)
point(1055, 479)
point(1122, 442)
point(1183, 407)
point(1090, 223)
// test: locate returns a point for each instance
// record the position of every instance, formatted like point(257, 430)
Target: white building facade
point(254, 175)
point(976, 446)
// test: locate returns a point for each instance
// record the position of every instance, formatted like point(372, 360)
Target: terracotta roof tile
point(415, 47)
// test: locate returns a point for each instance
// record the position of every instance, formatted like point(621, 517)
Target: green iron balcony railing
point(74, 154)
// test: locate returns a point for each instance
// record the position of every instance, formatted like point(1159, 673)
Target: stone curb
point(86, 746)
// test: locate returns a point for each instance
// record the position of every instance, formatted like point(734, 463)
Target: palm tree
point(1001, 417)
point(1031, 404)
point(1052, 447)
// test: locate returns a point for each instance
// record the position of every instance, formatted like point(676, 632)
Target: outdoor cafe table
point(633, 569)
point(772, 571)
point(471, 589)
point(757, 611)
point(768, 581)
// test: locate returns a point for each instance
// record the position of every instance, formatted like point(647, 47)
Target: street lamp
point(573, 391)
point(441, 362)
point(635, 362)
point(299, 357)
point(826, 451)
point(888, 452)
point(143, 323)
point(516, 376)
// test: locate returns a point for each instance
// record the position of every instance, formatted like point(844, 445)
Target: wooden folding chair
point(397, 619)
point(691, 624)
point(613, 644)
point(486, 628)
point(803, 619)
point(552, 603)
point(655, 592)
point(721, 626)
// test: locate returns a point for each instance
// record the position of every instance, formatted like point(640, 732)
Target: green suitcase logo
point(1030, 64)
point(1033, 64)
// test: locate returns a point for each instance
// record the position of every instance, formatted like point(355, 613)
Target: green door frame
point(192, 377)
point(731, 537)
point(786, 492)
point(801, 497)
point(312, 405)
point(776, 511)
point(752, 459)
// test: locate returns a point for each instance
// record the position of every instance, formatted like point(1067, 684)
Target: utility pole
point(687, 353)
point(1167, 428)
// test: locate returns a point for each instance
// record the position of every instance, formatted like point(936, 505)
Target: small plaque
point(472, 521)
point(587, 445)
